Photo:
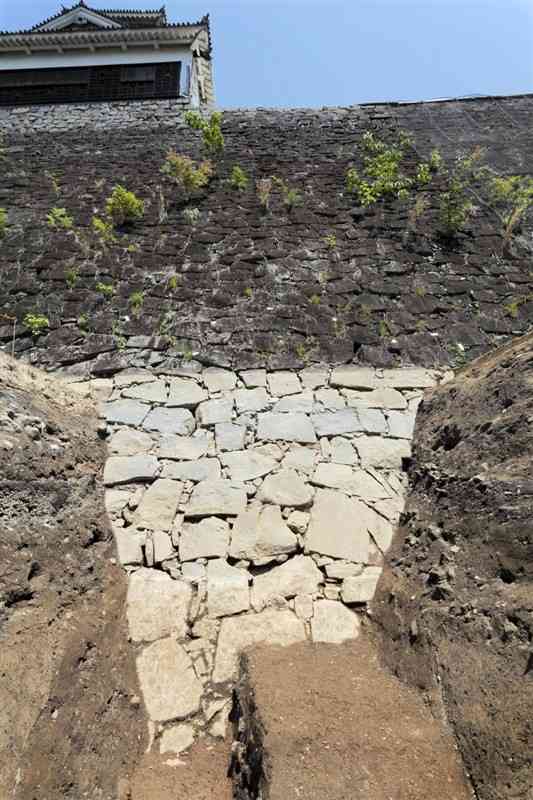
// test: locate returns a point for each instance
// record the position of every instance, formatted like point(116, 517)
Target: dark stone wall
point(242, 286)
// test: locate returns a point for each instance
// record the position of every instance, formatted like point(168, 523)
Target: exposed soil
point(455, 605)
point(71, 725)
point(328, 722)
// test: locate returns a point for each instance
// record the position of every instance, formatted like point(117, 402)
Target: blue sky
point(342, 52)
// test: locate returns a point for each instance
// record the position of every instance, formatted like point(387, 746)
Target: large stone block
point(185, 393)
point(219, 380)
point(211, 498)
point(128, 442)
point(361, 588)
point(285, 488)
point(335, 423)
point(126, 412)
point(354, 378)
point(260, 534)
point(203, 469)
point(338, 527)
point(150, 392)
point(170, 420)
point(158, 505)
point(247, 465)
point(285, 427)
point(157, 606)
point(212, 412)
point(250, 400)
point(238, 633)
point(168, 681)
point(228, 591)
point(299, 575)
point(127, 469)
point(382, 453)
point(333, 623)
point(183, 448)
point(206, 539)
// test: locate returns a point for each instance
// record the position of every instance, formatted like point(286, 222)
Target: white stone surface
point(170, 420)
point(126, 412)
point(300, 458)
point(239, 633)
point(163, 548)
point(285, 427)
point(246, 465)
point(408, 378)
point(342, 569)
point(333, 623)
point(212, 412)
point(303, 402)
point(384, 398)
point(176, 739)
point(334, 423)
point(126, 469)
point(401, 425)
point(129, 546)
point(249, 400)
point(158, 505)
point(128, 442)
point(254, 377)
point(260, 534)
point(286, 488)
point(303, 606)
point(354, 377)
point(150, 392)
point(208, 538)
point(201, 470)
point(342, 451)
point(227, 589)
point(156, 606)
point(382, 453)
point(210, 498)
point(330, 399)
point(168, 681)
point(299, 575)
point(229, 437)
point(185, 393)
point(361, 588)
point(313, 377)
point(283, 383)
point(338, 527)
point(219, 380)
point(183, 448)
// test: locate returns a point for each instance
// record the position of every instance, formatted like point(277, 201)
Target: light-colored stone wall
point(248, 507)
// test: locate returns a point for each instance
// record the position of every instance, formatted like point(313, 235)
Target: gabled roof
point(81, 23)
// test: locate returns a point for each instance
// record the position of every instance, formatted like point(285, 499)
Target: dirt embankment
point(455, 605)
point(71, 725)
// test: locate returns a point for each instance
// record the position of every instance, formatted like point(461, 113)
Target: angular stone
point(408, 378)
point(338, 527)
point(372, 420)
point(250, 400)
point(401, 426)
point(271, 627)
point(285, 427)
point(201, 470)
point(185, 393)
point(361, 588)
point(193, 572)
point(298, 521)
point(163, 549)
point(101, 389)
point(383, 398)
point(303, 402)
point(170, 420)
point(126, 469)
point(303, 606)
point(183, 448)
point(312, 377)
point(354, 377)
point(129, 546)
point(115, 500)
point(128, 442)
point(285, 488)
point(333, 623)
point(300, 458)
point(260, 534)
point(219, 380)
point(339, 570)
point(158, 505)
point(176, 739)
point(282, 383)
point(229, 437)
point(157, 606)
point(228, 591)
point(211, 498)
point(247, 465)
point(382, 453)
point(299, 575)
point(333, 423)
point(330, 399)
point(213, 411)
point(130, 377)
point(126, 412)
point(254, 377)
point(206, 539)
point(356, 482)
point(168, 681)
point(153, 392)
point(382, 531)
point(342, 451)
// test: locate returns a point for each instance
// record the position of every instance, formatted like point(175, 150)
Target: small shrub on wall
point(123, 206)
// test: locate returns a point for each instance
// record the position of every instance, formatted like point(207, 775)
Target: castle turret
point(84, 54)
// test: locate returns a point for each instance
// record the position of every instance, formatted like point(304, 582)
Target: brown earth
point(455, 605)
point(70, 721)
point(328, 722)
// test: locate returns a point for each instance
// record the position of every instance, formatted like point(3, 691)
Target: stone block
point(158, 505)
point(401, 425)
point(300, 458)
point(330, 399)
point(152, 392)
point(212, 412)
point(211, 498)
point(352, 377)
point(183, 448)
point(128, 469)
point(260, 534)
point(384, 398)
point(219, 380)
point(176, 739)
point(361, 588)
point(126, 412)
point(283, 383)
point(382, 453)
point(246, 465)
point(163, 548)
point(251, 400)
point(313, 377)
point(156, 606)
point(129, 546)
point(335, 423)
point(298, 575)
point(338, 527)
point(228, 589)
point(303, 402)
point(229, 437)
point(185, 393)
point(203, 469)
point(206, 539)
point(128, 442)
point(253, 378)
point(333, 623)
point(170, 420)
point(408, 378)
point(285, 427)
point(168, 681)
point(285, 488)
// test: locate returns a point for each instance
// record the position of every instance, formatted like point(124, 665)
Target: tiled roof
point(128, 18)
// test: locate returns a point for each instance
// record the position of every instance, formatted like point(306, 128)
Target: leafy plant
point(191, 215)
point(315, 299)
point(105, 230)
point(173, 283)
point(423, 174)
point(54, 180)
point(3, 222)
point(248, 292)
point(37, 323)
point(435, 161)
point(239, 179)
point(136, 300)
point(189, 175)
point(211, 131)
point(264, 190)
point(123, 206)
point(59, 218)
point(71, 277)
point(382, 175)
point(330, 241)
point(455, 208)
point(105, 289)
point(291, 197)
point(117, 330)
point(512, 196)
point(83, 322)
